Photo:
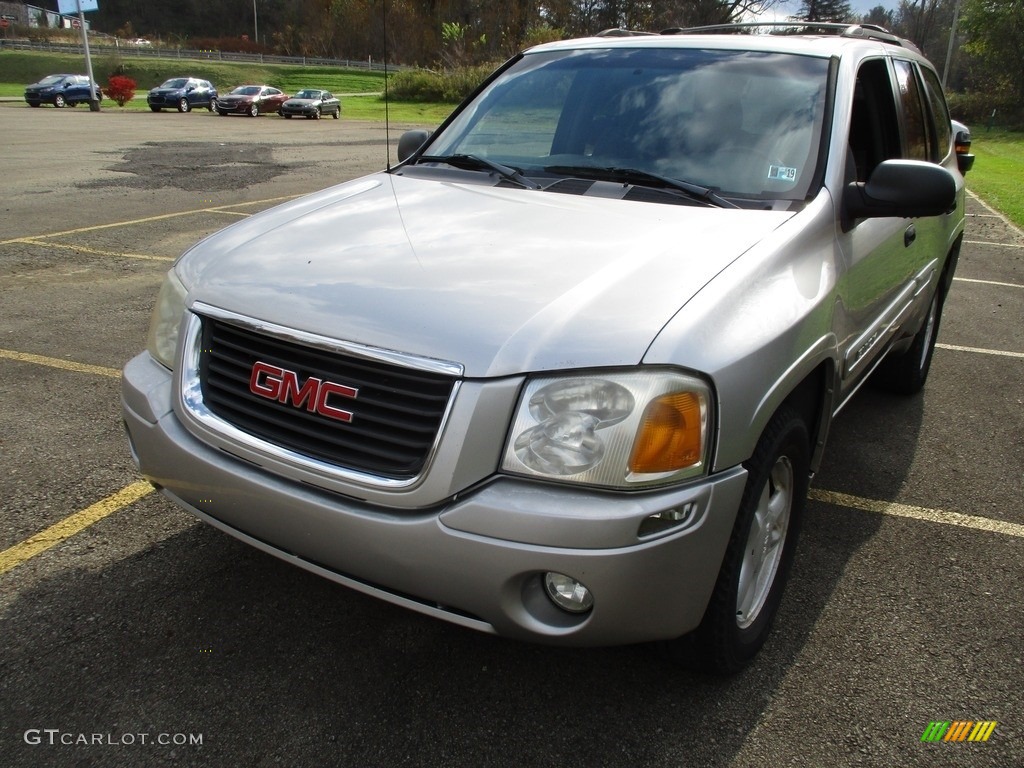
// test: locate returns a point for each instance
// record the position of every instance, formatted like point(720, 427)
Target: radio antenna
point(387, 111)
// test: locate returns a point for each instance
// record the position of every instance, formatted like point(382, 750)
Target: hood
point(502, 281)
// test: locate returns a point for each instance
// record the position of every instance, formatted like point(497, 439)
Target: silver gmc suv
point(564, 372)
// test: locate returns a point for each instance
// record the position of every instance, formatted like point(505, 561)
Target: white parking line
point(918, 513)
point(997, 245)
point(980, 351)
point(987, 282)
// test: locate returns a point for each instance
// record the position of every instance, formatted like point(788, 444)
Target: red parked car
point(251, 100)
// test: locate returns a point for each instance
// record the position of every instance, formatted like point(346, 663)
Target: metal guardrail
point(157, 52)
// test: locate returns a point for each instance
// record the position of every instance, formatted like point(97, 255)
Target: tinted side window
point(939, 112)
point(874, 127)
point(912, 107)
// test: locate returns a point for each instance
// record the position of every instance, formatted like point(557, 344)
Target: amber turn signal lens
point(670, 437)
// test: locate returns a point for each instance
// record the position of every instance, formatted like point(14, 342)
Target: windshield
point(178, 83)
point(307, 95)
point(247, 90)
point(51, 79)
point(745, 123)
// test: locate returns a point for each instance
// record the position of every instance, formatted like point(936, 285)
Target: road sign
point(69, 7)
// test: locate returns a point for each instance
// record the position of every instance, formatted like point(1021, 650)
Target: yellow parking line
point(147, 219)
point(69, 526)
point(56, 362)
point(83, 249)
point(918, 513)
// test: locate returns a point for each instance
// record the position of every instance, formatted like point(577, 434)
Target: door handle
point(909, 236)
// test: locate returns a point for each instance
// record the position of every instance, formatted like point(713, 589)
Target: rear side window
point(939, 113)
point(912, 106)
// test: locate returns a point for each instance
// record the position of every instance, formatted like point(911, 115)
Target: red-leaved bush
point(121, 89)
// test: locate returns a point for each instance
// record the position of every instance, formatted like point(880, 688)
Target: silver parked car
point(563, 373)
point(311, 103)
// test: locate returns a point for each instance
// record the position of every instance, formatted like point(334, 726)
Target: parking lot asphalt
point(133, 635)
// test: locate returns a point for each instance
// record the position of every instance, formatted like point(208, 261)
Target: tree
point(994, 31)
point(880, 17)
point(824, 10)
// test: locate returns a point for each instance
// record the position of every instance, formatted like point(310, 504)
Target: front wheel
point(757, 560)
point(254, 110)
point(183, 105)
point(59, 102)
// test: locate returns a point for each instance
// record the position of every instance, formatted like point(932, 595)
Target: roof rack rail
point(795, 26)
point(616, 32)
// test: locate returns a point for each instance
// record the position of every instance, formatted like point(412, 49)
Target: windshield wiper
point(477, 163)
point(705, 195)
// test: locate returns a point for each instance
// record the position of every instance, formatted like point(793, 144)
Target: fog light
point(567, 593)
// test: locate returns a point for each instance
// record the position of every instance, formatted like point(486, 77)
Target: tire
point(222, 114)
point(757, 561)
point(906, 373)
point(316, 113)
point(337, 113)
point(59, 102)
point(212, 106)
point(183, 105)
point(154, 109)
point(254, 110)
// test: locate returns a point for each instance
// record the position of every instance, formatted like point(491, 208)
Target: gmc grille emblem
point(282, 385)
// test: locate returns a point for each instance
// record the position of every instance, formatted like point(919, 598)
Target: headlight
point(620, 430)
point(166, 319)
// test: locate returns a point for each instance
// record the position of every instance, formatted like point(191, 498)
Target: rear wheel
point(756, 565)
point(183, 105)
point(337, 113)
point(905, 374)
point(212, 105)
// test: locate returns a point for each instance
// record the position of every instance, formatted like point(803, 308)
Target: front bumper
point(476, 560)
point(241, 108)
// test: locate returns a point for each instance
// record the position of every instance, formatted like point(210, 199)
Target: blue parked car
point(182, 94)
point(61, 91)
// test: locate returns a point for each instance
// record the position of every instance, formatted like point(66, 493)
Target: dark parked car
point(312, 104)
point(251, 100)
point(182, 94)
point(60, 90)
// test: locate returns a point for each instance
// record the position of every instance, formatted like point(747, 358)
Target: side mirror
point(904, 188)
point(962, 145)
point(410, 142)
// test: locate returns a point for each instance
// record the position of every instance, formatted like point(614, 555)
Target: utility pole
point(94, 102)
point(949, 49)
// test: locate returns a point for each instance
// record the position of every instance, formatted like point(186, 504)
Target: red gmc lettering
point(279, 384)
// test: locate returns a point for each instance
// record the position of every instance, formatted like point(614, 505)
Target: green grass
point(998, 170)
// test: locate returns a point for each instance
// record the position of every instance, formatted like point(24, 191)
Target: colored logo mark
point(959, 730)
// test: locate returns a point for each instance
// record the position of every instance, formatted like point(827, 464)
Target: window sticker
point(781, 173)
